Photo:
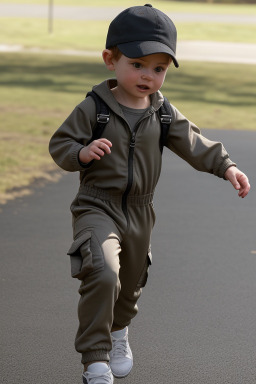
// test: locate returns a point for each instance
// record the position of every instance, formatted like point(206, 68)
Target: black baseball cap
point(143, 30)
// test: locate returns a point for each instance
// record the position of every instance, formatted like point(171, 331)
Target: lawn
point(39, 91)
point(91, 35)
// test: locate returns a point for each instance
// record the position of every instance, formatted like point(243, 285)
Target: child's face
point(139, 78)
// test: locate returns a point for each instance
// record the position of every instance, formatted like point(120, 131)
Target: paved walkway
point(186, 50)
point(217, 52)
point(196, 323)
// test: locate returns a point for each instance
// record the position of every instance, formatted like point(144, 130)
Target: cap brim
point(137, 49)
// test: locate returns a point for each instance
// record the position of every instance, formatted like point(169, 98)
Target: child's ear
point(108, 59)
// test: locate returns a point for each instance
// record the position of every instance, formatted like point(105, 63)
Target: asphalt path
point(207, 51)
point(196, 323)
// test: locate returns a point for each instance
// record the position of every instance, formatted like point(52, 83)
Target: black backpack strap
point(165, 119)
point(102, 113)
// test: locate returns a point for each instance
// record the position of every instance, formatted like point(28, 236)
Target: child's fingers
point(103, 144)
point(233, 180)
point(96, 153)
point(105, 147)
point(239, 181)
point(105, 141)
point(245, 185)
point(98, 148)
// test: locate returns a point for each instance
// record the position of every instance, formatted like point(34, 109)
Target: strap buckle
point(166, 119)
point(101, 118)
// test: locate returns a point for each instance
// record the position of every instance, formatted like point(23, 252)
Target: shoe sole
point(121, 377)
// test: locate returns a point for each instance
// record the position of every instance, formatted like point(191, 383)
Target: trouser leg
point(108, 297)
point(109, 292)
point(99, 291)
point(135, 259)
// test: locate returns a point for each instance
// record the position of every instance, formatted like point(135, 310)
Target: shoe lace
point(119, 347)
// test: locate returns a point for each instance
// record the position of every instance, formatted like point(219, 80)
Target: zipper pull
point(132, 142)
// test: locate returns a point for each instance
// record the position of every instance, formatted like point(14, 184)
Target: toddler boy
point(113, 212)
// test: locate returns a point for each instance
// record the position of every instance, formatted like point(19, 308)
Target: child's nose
point(147, 74)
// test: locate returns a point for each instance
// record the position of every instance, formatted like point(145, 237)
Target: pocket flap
point(78, 242)
point(144, 275)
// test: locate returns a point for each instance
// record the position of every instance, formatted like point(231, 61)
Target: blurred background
point(51, 56)
point(197, 321)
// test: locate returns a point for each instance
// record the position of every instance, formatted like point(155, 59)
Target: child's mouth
point(143, 87)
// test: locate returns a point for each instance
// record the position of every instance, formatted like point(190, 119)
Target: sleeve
point(185, 139)
point(72, 136)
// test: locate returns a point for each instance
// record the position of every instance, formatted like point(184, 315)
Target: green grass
point(30, 32)
point(91, 35)
point(39, 91)
point(220, 96)
point(217, 32)
point(164, 5)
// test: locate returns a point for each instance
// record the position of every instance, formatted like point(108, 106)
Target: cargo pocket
point(144, 275)
point(85, 257)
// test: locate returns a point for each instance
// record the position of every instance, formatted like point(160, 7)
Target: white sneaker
point(121, 360)
point(98, 378)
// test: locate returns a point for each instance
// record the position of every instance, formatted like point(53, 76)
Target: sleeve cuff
point(227, 163)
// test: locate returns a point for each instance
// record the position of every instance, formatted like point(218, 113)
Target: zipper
point(130, 176)
point(130, 170)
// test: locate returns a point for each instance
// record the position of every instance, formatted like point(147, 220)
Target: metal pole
point(50, 17)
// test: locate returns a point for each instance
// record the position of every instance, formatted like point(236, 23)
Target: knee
point(110, 279)
point(105, 281)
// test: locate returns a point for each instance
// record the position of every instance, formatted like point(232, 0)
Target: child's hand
point(95, 150)
point(239, 180)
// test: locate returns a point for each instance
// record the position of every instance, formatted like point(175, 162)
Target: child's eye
point(136, 65)
point(159, 69)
